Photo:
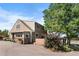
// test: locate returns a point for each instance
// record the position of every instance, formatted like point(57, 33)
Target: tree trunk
point(68, 40)
point(64, 41)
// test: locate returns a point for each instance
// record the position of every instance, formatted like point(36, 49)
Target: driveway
point(13, 49)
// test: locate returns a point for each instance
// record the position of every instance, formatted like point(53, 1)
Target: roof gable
point(23, 26)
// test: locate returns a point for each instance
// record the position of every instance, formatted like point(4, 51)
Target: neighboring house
point(27, 31)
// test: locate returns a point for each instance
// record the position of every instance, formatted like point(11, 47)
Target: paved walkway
point(14, 49)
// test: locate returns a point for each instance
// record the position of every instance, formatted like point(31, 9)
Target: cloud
point(41, 21)
point(8, 18)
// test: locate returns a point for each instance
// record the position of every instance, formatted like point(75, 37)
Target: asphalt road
point(14, 49)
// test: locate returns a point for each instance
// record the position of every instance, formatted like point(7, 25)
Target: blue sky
point(9, 13)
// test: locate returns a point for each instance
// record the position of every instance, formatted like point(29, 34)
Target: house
point(27, 31)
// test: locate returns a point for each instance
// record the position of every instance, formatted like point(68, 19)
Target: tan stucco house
point(27, 31)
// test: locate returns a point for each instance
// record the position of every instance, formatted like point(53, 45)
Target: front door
point(13, 36)
point(27, 37)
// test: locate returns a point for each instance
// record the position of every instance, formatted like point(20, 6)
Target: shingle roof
point(27, 25)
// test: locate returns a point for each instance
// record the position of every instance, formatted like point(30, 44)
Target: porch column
point(23, 36)
point(30, 37)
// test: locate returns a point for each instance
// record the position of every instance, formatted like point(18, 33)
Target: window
point(18, 35)
point(36, 35)
point(18, 26)
point(27, 35)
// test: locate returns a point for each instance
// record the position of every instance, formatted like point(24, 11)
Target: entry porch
point(22, 37)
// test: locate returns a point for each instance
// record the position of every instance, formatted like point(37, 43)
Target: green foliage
point(62, 18)
point(52, 42)
point(0, 32)
point(66, 48)
point(4, 33)
point(75, 47)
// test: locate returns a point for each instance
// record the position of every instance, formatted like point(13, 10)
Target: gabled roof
point(27, 25)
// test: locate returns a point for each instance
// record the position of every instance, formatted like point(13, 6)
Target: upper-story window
point(18, 26)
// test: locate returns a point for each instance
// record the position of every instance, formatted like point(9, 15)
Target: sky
point(10, 12)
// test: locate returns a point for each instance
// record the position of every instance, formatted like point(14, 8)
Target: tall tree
point(5, 33)
point(62, 18)
point(0, 32)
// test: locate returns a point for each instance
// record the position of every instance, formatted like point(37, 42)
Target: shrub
point(52, 42)
point(66, 48)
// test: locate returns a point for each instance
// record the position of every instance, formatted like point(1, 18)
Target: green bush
point(48, 42)
point(55, 43)
point(66, 48)
point(52, 42)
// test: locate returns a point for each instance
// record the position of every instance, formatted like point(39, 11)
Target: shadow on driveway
point(75, 47)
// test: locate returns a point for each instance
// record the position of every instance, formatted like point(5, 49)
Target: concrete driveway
point(14, 49)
